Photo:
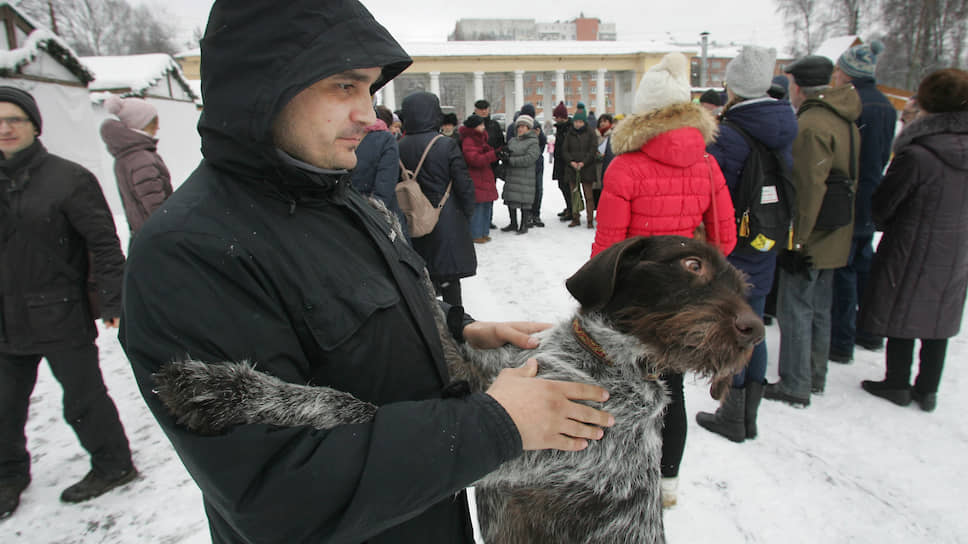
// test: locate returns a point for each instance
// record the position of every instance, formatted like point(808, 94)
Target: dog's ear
point(593, 284)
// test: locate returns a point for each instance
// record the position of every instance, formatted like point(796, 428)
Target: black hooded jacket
point(448, 249)
point(258, 257)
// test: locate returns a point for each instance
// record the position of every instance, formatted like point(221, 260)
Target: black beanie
point(449, 119)
point(26, 102)
point(473, 121)
point(711, 96)
point(811, 71)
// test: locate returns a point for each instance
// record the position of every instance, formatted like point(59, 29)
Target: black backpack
point(764, 199)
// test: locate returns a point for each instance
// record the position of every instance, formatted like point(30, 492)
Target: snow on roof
point(832, 48)
point(135, 72)
point(539, 48)
point(12, 61)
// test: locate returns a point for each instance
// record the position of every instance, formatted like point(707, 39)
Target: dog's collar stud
point(589, 344)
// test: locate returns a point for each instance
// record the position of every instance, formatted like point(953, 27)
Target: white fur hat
point(664, 84)
point(750, 74)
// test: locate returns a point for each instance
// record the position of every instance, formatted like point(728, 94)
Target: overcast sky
point(745, 21)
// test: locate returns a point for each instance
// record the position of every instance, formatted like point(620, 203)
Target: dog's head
point(681, 298)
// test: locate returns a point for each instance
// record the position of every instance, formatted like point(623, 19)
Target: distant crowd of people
point(271, 253)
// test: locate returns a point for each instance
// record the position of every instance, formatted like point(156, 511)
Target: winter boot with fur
point(669, 490)
point(729, 419)
point(525, 221)
point(754, 394)
point(95, 484)
point(514, 221)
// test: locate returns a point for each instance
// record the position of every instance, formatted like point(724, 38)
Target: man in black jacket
point(53, 215)
point(266, 254)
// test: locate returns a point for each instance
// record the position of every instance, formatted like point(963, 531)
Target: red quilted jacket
point(663, 182)
point(479, 156)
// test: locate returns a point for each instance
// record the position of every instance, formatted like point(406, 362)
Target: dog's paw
point(205, 398)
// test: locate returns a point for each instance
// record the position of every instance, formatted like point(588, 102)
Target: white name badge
point(769, 195)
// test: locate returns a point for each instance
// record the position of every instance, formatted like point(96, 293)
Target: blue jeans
point(849, 284)
point(803, 311)
point(755, 371)
point(481, 219)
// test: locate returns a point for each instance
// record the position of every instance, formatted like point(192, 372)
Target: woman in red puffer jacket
point(663, 182)
point(479, 155)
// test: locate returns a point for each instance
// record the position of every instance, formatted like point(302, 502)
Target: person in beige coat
point(827, 142)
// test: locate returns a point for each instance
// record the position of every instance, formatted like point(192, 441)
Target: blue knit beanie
point(859, 61)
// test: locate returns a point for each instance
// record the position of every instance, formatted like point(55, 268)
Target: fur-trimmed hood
point(935, 132)
point(637, 130)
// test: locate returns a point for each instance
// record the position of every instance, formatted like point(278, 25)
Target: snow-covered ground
point(850, 468)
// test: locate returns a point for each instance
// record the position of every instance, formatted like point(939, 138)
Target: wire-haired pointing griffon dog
point(648, 306)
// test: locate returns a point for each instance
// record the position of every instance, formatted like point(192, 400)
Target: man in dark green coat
point(827, 141)
point(267, 254)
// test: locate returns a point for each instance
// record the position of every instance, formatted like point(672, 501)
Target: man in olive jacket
point(827, 140)
point(53, 215)
point(267, 254)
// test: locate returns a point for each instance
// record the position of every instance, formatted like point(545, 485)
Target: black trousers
point(449, 289)
point(900, 356)
point(674, 426)
point(87, 408)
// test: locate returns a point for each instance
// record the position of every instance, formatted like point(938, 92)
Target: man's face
point(447, 129)
point(796, 95)
point(324, 123)
point(17, 132)
point(578, 123)
point(482, 112)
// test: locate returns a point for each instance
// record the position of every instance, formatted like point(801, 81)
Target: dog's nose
point(750, 328)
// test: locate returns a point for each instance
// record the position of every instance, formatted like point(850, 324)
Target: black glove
point(794, 262)
point(503, 154)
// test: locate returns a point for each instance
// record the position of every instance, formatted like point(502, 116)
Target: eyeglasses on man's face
point(14, 122)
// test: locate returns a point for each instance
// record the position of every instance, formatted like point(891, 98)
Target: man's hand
point(490, 335)
point(543, 410)
point(112, 323)
point(574, 165)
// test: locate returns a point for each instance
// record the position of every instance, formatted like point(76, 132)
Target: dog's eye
point(693, 265)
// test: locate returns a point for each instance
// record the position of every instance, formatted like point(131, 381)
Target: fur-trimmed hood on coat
point(637, 130)
point(927, 131)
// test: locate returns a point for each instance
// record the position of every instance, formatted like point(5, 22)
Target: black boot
point(754, 393)
point(888, 391)
point(525, 221)
point(514, 221)
point(10, 491)
point(728, 420)
point(536, 220)
point(95, 485)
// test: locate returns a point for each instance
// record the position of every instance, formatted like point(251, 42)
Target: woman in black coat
point(920, 271)
point(448, 249)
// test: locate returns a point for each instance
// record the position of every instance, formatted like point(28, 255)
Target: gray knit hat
point(750, 74)
point(859, 61)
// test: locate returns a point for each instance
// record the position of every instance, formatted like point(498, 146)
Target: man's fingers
point(589, 415)
point(575, 429)
point(581, 391)
point(528, 370)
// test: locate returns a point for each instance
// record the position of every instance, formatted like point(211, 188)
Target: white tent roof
point(832, 48)
point(135, 72)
